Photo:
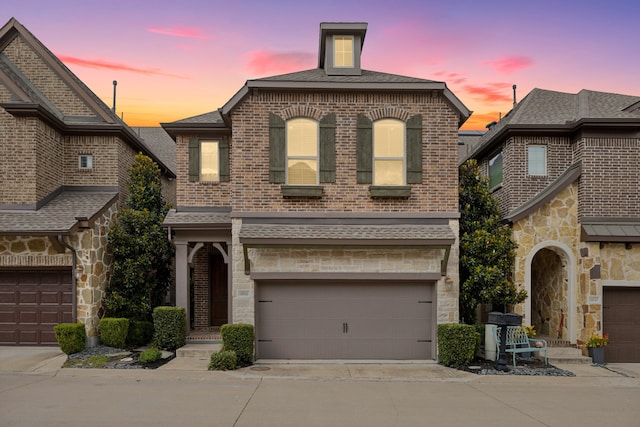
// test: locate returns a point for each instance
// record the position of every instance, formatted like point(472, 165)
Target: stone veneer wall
point(342, 260)
point(93, 268)
point(549, 293)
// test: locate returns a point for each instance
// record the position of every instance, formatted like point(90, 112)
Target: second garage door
point(32, 302)
point(621, 321)
point(344, 320)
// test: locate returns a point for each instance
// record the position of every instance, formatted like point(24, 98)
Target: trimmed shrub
point(150, 355)
point(169, 327)
point(71, 337)
point(480, 327)
point(113, 331)
point(140, 333)
point(457, 344)
point(239, 338)
point(224, 360)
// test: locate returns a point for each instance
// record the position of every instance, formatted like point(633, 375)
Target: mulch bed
point(104, 357)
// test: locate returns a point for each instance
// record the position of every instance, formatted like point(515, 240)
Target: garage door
point(344, 320)
point(621, 320)
point(31, 303)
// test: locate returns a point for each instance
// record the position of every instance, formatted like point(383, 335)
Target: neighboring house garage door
point(621, 321)
point(31, 303)
point(349, 320)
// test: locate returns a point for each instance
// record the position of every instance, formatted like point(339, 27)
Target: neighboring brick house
point(565, 170)
point(64, 160)
point(322, 207)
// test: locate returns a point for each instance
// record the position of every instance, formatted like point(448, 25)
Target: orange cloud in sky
point(185, 32)
point(509, 64)
point(480, 121)
point(492, 92)
point(266, 62)
point(104, 65)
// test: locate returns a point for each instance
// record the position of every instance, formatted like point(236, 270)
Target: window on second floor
point(537, 159)
point(85, 161)
point(302, 152)
point(209, 160)
point(495, 170)
point(388, 152)
point(343, 51)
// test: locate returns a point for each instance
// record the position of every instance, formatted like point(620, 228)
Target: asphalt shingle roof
point(319, 75)
point(206, 118)
point(328, 233)
point(157, 140)
point(195, 219)
point(59, 216)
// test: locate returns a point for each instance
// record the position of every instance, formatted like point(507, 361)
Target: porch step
point(202, 350)
point(566, 355)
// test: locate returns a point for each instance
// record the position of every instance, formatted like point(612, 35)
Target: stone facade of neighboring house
point(565, 169)
point(321, 207)
point(64, 168)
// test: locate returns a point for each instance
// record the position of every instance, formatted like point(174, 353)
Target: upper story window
point(537, 159)
point(85, 162)
point(388, 152)
point(302, 152)
point(343, 51)
point(209, 161)
point(495, 170)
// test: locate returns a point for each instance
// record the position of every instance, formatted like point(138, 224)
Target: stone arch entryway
point(550, 285)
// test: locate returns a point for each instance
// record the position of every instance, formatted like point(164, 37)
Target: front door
point(218, 286)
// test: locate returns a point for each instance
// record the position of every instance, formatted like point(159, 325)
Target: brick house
point(565, 170)
point(322, 207)
point(64, 160)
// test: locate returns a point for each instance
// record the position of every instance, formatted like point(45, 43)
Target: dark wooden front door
point(218, 294)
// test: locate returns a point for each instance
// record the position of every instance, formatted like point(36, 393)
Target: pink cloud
point(266, 62)
point(451, 78)
point(105, 65)
point(185, 32)
point(510, 64)
point(492, 92)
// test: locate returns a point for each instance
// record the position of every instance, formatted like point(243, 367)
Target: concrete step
point(198, 350)
point(566, 355)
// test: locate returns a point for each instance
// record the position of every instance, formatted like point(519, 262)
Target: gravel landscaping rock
point(117, 358)
point(523, 367)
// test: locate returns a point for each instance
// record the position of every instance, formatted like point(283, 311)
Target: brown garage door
point(31, 303)
point(621, 320)
point(344, 320)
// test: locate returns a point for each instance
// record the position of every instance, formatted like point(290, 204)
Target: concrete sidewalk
point(50, 359)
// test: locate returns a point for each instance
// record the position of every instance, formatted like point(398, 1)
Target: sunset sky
point(174, 60)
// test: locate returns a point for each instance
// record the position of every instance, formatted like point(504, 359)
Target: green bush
point(224, 360)
point(113, 331)
point(71, 337)
point(140, 333)
point(150, 355)
point(457, 344)
point(480, 329)
point(169, 327)
point(239, 338)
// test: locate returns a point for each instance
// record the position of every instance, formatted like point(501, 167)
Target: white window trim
point(404, 152)
point(288, 157)
point(353, 51)
point(209, 141)
point(546, 160)
point(89, 162)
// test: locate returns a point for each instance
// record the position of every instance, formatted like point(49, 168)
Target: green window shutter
point(364, 150)
point(194, 160)
point(414, 150)
point(277, 154)
point(224, 159)
point(328, 148)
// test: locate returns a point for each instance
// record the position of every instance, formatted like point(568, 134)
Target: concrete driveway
point(30, 359)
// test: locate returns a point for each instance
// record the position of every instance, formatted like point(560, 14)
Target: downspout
point(74, 264)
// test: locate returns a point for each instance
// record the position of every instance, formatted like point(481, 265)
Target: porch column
point(182, 281)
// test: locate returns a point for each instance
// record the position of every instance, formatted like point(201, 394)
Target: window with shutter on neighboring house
point(209, 160)
point(302, 152)
point(389, 154)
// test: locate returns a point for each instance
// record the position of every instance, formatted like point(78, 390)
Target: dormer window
point(343, 51)
point(341, 48)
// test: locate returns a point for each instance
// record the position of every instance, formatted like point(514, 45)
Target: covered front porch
point(203, 269)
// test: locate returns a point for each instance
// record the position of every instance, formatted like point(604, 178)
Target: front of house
point(565, 169)
point(64, 160)
point(321, 206)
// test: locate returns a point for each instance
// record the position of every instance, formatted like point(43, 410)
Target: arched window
point(389, 153)
point(302, 152)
